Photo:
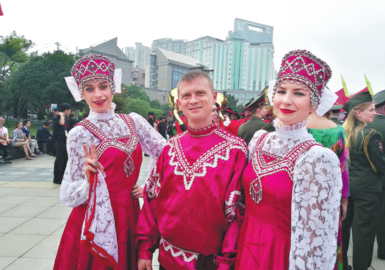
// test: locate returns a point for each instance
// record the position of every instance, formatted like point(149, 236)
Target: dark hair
point(47, 124)
point(72, 114)
point(17, 124)
point(26, 121)
point(54, 110)
point(64, 106)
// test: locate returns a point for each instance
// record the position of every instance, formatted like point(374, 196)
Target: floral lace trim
point(188, 256)
point(296, 130)
point(209, 159)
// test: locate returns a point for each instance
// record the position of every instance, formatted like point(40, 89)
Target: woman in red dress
point(101, 187)
point(292, 184)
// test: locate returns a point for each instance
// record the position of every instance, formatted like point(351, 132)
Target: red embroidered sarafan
point(192, 200)
point(106, 239)
point(265, 163)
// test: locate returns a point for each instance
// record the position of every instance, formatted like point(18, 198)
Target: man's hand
point(61, 113)
point(144, 264)
point(137, 192)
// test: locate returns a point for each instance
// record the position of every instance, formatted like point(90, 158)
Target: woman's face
point(292, 103)
point(20, 125)
point(98, 95)
point(214, 113)
point(368, 114)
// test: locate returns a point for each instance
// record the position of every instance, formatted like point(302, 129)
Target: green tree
point(155, 104)
point(40, 82)
point(134, 91)
point(13, 51)
point(139, 106)
point(157, 112)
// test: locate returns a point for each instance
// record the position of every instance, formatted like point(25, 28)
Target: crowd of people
point(282, 185)
point(21, 137)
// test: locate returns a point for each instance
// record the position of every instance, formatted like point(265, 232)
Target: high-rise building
point(167, 67)
point(173, 45)
point(142, 55)
point(130, 52)
point(243, 61)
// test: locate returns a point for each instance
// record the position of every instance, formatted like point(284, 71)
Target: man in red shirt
point(192, 197)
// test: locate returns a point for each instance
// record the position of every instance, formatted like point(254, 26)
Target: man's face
point(151, 116)
point(45, 127)
point(67, 112)
point(163, 120)
point(233, 117)
point(196, 99)
point(263, 111)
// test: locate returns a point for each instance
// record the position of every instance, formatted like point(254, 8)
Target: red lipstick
point(286, 111)
point(100, 102)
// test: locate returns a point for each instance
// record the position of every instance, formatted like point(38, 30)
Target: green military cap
point(261, 100)
point(379, 98)
point(336, 107)
point(356, 100)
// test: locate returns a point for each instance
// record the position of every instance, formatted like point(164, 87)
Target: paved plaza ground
point(32, 218)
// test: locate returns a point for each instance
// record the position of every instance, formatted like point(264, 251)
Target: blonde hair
point(354, 125)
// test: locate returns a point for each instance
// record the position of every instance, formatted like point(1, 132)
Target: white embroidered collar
point(296, 131)
point(105, 115)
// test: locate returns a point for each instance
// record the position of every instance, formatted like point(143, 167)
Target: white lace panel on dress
point(75, 188)
point(315, 210)
point(317, 186)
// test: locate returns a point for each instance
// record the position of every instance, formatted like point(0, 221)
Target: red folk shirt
point(233, 127)
point(191, 200)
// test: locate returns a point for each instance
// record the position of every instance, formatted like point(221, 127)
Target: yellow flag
point(344, 86)
point(369, 86)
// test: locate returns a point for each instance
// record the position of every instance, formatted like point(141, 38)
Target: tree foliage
point(139, 106)
point(232, 103)
point(13, 51)
point(155, 104)
point(40, 82)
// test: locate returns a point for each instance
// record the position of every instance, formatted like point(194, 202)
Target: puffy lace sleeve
point(254, 140)
point(315, 210)
point(75, 186)
point(151, 141)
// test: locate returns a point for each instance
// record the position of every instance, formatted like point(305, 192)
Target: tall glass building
point(243, 61)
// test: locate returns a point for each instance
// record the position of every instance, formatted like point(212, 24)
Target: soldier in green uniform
point(367, 165)
point(378, 124)
point(335, 113)
point(259, 110)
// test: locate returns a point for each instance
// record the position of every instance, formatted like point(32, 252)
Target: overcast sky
point(348, 35)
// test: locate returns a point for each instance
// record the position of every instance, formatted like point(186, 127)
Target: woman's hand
point(137, 192)
point(344, 207)
point(91, 164)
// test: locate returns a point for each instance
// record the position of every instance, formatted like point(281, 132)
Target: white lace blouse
point(75, 186)
point(316, 196)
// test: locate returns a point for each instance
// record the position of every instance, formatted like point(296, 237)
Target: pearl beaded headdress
point(93, 67)
point(304, 68)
